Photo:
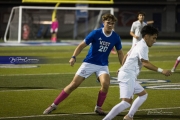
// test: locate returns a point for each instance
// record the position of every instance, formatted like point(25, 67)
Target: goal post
point(32, 23)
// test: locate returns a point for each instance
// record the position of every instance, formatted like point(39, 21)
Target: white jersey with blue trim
point(101, 46)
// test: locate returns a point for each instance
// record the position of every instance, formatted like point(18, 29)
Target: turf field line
point(158, 109)
point(50, 89)
point(60, 73)
point(38, 74)
point(109, 63)
point(153, 84)
point(50, 115)
point(89, 113)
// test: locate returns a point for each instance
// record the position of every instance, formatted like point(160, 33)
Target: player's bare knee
point(142, 93)
point(127, 100)
point(105, 86)
point(104, 89)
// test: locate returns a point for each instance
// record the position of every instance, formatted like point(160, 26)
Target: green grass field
point(26, 92)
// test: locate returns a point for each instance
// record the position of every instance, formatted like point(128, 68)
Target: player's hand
point(167, 72)
point(72, 61)
point(137, 37)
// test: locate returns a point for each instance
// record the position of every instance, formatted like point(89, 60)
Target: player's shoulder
point(136, 22)
point(97, 30)
point(142, 44)
point(116, 34)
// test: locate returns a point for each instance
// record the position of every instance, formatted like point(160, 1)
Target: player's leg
point(77, 80)
point(104, 81)
point(126, 94)
point(142, 96)
point(175, 64)
point(53, 37)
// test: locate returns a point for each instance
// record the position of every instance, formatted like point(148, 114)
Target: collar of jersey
point(105, 34)
point(144, 41)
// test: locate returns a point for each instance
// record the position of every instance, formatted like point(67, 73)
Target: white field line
point(91, 87)
point(37, 74)
point(59, 73)
point(80, 63)
point(89, 113)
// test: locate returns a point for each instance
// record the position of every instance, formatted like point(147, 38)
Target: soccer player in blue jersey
point(102, 41)
point(113, 50)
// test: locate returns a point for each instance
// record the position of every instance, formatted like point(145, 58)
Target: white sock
point(116, 110)
point(136, 104)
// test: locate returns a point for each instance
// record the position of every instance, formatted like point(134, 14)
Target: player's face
point(108, 25)
point(141, 17)
point(151, 39)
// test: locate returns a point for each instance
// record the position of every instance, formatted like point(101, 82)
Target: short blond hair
point(109, 17)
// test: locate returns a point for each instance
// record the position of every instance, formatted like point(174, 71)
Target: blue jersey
point(101, 46)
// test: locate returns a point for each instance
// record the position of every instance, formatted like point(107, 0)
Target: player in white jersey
point(127, 76)
point(137, 26)
point(102, 41)
point(175, 64)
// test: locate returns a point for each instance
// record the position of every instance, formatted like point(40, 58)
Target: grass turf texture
point(26, 92)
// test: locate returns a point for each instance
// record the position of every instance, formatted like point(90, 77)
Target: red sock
point(61, 97)
point(101, 98)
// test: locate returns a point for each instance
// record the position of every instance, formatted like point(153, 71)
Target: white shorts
point(86, 69)
point(129, 88)
point(55, 31)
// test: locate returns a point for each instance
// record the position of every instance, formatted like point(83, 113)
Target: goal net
point(33, 23)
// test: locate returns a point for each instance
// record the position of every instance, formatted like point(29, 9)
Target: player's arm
point(120, 56)
point(150, 66)
point(77, 51)
point(132, 31)
point(150, 22)
point(133, 35)
point(124, 59)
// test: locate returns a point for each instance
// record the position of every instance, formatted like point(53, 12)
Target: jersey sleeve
point(89, 38)
point(143, 53)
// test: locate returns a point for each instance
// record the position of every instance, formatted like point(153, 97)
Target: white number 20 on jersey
point(103, 48)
